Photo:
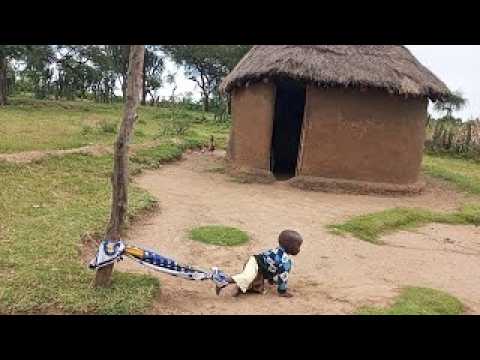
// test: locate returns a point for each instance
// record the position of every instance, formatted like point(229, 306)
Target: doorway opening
point(287, 128)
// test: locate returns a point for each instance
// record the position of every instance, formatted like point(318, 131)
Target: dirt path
point(93, 150)
point(332, 275)
point(29, 156)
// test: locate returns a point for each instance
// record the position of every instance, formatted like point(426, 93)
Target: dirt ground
point(332, 274)
point(93, 150)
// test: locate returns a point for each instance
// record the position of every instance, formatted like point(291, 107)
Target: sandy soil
point(332, 274)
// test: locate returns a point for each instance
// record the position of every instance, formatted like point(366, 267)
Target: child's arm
point(282, 283)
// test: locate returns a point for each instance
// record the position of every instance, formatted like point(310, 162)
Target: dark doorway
point(287, 127)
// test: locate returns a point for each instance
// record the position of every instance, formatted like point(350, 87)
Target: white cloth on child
point(246, 277)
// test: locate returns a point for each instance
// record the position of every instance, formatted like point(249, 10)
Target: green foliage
point(371, 226)
point(206, 64)
point(452, 102)
point(139, 133)
point(46, 207)
point(219, 235)
point(419, 301)
point(80, 71)
point(463, 173)
point(153, 69)
point(86, 130)
point(107, 127)
point(155, 156)
point(48, 125)
point(176, 126)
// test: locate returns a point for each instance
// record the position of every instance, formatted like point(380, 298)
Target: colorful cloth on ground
point(275, 265)
point(113, 251)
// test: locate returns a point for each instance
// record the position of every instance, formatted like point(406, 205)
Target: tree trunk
point(124, 88)
point(144, 79)
point(3, 81)
point(206, 104)
point(120, 160)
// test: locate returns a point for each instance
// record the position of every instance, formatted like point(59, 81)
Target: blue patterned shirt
point(275, 264)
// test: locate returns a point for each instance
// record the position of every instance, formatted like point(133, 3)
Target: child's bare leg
point(258, 285)
point(230, 290)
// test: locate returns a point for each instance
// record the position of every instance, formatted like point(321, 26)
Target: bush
point(175, 127)
point(107, 127)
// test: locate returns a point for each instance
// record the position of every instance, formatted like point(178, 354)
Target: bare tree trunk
point(206, 104)
point(3, 81)
point(120, 160)
point(144, 90)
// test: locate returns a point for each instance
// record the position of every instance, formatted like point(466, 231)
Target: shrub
point(107, 127)
point(175, 127)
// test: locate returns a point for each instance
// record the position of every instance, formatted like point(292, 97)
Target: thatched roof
point(389, 67)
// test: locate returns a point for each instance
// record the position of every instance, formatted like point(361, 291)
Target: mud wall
point(365, 135)
point(252, 122)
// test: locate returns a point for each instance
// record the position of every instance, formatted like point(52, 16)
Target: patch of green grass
point(219, 235)
point(45, 208)
point(463, 173)
point(153, 157)
point(29, 124)
point(202, 132)
point(419, 301)
point(107, 127)
point(371, 226)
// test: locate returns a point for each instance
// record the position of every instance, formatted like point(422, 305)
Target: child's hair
point(290, 240)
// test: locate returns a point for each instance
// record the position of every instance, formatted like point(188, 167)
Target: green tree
point(38, 61)
point(153, 67)
point(7, 54)
point(206, 64)
point(453, 102)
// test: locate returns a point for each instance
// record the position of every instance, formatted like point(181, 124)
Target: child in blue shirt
point(273, 265)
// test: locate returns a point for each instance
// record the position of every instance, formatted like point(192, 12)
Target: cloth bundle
point(110, 252)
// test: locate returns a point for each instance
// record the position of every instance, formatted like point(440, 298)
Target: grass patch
point(219, 235)
point(46, 206)
point(153, 157)
point(463, 173)
point(371, 226)
point(29, 124)
point(419, 301)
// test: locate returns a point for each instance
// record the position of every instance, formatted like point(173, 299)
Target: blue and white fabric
point(113, 251)
point(276, 264)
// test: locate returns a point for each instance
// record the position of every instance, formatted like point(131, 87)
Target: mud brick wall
point(366, 135)
point(251, 135)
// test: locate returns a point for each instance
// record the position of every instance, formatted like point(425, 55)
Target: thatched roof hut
point(390, 67)
point(348, 117)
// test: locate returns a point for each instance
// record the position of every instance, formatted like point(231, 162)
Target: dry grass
point(390, 67)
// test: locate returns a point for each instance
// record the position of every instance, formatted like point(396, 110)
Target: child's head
point(291, 241)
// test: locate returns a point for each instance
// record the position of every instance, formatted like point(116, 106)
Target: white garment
point(246, 277)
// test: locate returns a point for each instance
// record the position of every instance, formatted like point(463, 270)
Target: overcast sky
point(456, 65)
